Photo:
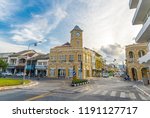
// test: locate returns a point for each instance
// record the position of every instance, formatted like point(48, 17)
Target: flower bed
point(78, 82)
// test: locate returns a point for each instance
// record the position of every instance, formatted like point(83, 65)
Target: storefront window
point(52, 72)
point(71, 72)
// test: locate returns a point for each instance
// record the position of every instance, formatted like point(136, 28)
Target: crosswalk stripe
point(113, 93)
point(104, 92)
point(122, 94)
point(88, 92)
point(132, 96)
point(96, 92)
point(142, 97)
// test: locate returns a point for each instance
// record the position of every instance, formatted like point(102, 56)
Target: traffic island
point(78, 82)
point(7, 83)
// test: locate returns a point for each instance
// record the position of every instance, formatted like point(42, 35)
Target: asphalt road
point(99, 89)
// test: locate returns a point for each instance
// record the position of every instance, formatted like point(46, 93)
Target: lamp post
point(35, 44)
point(81, 70)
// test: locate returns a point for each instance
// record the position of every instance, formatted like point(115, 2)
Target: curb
point(79, 84)
point(19, 86)
point(141, 90)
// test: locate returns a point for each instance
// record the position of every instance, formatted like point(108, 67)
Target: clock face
point(78, 34)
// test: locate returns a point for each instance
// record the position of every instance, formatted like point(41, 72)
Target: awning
point(10, 67)
point(145, 58)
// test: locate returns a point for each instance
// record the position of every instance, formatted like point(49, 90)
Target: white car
point(105, 75)
point(6, 74)
point(20, 74)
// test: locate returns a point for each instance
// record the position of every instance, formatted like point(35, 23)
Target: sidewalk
point(32, 83)
point(142, 88)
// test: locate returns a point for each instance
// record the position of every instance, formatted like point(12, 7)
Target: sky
point(106, 24)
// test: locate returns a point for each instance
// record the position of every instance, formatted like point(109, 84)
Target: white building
point(16, 61)
point(142, 16)
point(41, 66)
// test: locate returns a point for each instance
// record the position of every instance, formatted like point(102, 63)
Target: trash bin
point(145, 81)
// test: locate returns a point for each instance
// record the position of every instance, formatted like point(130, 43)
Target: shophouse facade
point(134, 69)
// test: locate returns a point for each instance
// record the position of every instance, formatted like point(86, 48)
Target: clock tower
point(76, 37)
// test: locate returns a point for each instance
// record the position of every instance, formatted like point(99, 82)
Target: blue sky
point(106, 24)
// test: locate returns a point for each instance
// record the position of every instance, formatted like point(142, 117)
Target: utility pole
point(35, 44)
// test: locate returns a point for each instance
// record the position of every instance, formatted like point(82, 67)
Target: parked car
point(105, 75)
point(6, 74)
point(1, 74)
point(20, 74)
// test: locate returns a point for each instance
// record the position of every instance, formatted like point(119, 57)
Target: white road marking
point(122, 94)
point(142, 97)
point(96, 92)
point(113, 93)
point(132, 96)
point(104, 92)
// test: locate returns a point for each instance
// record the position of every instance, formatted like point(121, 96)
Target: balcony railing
point(143, 35)
point(133, 4)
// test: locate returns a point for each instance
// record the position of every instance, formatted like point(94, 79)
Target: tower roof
point(77, 28)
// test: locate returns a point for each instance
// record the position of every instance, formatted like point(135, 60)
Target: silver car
point(105, 75)
point(6, 74)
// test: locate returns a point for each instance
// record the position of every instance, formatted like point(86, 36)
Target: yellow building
point(135, 70)
point(71, 56)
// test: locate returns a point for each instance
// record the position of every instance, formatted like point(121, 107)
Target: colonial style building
point(35, 64)
point(97, 64)
point(71, 56)
point(4, 57)
point(41, 66)
point(17, 61)
point(142, 16)
point(133, 52)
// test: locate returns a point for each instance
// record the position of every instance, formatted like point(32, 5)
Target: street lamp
point(35, 44)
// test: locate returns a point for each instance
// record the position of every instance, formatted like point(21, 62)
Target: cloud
point(106, 22)
point(8, 47)
point(112, 49)
point(54, 41)
point(40, 26)
point(8, 8)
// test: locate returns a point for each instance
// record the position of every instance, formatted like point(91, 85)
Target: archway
point(144, 72)
point(134, 74)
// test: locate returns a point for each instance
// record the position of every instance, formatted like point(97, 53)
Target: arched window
point(141, 53)
point(131, 54)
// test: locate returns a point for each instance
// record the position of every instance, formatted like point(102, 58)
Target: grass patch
point(12, 82)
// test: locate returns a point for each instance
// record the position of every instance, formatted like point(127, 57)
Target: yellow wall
point(75, 48)
point(133, 63)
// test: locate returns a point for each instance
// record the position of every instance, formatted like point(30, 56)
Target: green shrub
point(77, 81)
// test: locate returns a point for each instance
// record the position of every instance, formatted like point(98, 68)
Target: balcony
point(40, 67)
point(141, 12)
point(133, 4)
point(21, 64)
point(144, 34)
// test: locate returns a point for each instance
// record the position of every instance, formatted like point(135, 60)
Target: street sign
point(74, 73)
